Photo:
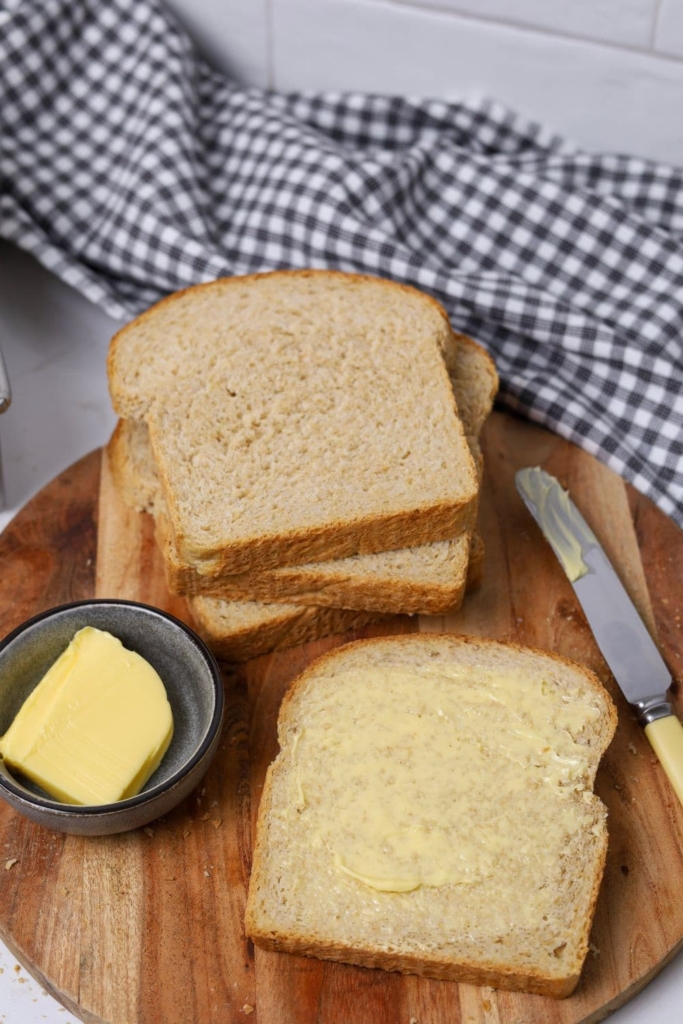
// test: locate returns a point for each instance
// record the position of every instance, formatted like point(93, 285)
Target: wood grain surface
point(146, 927)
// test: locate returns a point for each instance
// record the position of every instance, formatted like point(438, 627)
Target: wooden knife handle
point(666, 738)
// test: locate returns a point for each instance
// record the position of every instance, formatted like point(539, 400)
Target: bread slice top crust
point(324, 399)
point(489, 756)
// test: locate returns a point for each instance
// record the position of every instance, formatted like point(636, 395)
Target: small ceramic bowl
point(193, 685)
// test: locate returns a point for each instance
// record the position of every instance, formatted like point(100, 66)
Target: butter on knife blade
point(617, 626)
point(563, 526)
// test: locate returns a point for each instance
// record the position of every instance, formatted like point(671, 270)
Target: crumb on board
point(247, 1008)
point(11, 862)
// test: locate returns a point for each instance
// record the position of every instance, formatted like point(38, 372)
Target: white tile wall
point(606, 73)
point(669, 31)
point(616, 21)
point(604, 97)
point(233, 34)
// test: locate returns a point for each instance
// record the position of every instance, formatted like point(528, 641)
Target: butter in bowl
point(110, 714)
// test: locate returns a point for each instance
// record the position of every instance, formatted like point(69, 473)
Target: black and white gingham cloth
point(131, 169)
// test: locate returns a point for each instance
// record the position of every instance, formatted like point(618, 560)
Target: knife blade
point(620, 632)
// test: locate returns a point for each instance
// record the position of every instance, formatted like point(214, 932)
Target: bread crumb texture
point(431, 810)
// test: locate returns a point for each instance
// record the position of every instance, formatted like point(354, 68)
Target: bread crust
point(473, 414)
point(294, 626)
point(315, 587)
point(439, 521)
point(428, 967)
point(467, 971)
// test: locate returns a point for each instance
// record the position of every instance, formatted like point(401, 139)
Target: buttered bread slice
point(274, 404)
point(431, 811)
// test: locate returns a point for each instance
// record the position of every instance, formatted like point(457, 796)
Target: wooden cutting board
point(146, 927)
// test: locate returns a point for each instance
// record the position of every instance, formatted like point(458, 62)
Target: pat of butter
point(97, 725)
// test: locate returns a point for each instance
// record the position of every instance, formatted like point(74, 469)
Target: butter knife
point(619, 630)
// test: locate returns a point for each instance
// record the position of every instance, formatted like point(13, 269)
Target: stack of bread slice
point(307, 442)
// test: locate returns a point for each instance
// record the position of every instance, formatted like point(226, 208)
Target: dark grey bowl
point(193, 685)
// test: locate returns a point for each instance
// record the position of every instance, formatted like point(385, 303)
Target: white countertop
point(55, 346)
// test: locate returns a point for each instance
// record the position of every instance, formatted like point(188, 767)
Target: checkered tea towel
point(130, 168)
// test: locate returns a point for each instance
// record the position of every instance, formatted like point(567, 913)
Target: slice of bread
point(431, 811)
point(429, 579)
point(294, 386)
point(240, 630)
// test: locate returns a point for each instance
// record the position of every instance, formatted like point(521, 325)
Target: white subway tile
point(669, 34)
point(604, 98)
point(232, 34)
point(629, 22)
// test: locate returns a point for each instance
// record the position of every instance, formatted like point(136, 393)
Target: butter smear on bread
point(423, 786)
point(97, 725)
